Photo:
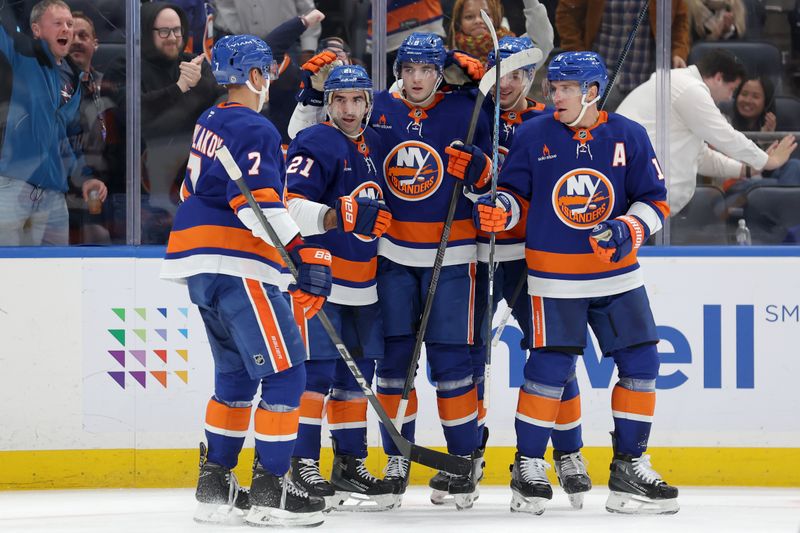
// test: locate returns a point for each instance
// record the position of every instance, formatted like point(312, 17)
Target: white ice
point(170, 511)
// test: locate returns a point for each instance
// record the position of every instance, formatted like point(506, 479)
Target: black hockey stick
point(518, 60)
point(620, 60)
point(487, 372)
point(418, 454)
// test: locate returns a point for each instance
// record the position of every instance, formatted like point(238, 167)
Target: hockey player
point(510, 270)
point(416, 126)
point(594, 193)
point(233, 272)
point(335, 193)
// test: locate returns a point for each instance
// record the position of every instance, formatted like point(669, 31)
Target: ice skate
point(277, 502)
point(306, 476)
point(357, 489)
point(220, 499)
point(462, 489)
point(397, 472)
point(572, 476)
point(530, 487)
point(439, 483)
point(638, 489)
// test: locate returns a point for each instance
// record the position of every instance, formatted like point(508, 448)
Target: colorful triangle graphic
point(140, 356)
point(161, 376)
point(183, 374)
point(140, 376)
point(120, 312)
point(184, 354)
point(162, 354)
point(141, 311)
point(163, 311)
point(119, 355)
point(118, 334)
point(141, 333)
point(162, 333)
point(119, 377)
point(184, 332)
point(184, 311)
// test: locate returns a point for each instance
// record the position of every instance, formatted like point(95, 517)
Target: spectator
point(42, 100)
point(716, 20)
point(259, 17)
point(696, 122)
point(604, 26)
point(92, 136)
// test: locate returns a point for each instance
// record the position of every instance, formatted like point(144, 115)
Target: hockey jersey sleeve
point(515, 180)
point(645, 186)
point(308, 175)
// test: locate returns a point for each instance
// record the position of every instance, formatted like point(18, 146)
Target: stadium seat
point(702, 221)
point(770, 211)
point(759, 58)
point(787, 109)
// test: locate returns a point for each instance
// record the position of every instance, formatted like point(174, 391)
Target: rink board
point(106, 371)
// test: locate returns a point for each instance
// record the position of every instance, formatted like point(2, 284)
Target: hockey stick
point(518, 60)
point(418, 454)
point(620, 60)
point(487, 371)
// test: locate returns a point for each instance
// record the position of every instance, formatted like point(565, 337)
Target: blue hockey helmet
point(344, 77)
point(425, 48)
point(234, 56)
point(584, 67)
point(508, 46)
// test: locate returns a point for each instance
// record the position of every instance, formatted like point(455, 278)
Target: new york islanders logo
point(583, 198)
point(413, 171)
point(368, 189)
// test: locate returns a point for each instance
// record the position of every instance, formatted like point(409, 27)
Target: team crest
point(368, 189)
point(413, 171)
point(583, 198)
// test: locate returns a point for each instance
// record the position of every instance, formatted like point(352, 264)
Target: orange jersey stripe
point(356, 271)
point(569, 411)
point(481, 410)
point(422, 11)
point(224, 237)
point(458, 407)
point(663, 207)
point(341, 412)
point(572, 263)
point(311, 405)
point(430, 232)
point(278, 424)
point(269, 325)
point(635, 402)
point(221, 416)
point(538, 407)
point(390, 402)
point(260, 195)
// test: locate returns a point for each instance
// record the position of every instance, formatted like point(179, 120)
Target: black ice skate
point(638, 489)
point(440, 483)
point(220, 499)
point(357, 489)
point(463, 489)
point(306, 476)
point(530, 487)
point(572, 476)
point(276, 501)
point(397, 472)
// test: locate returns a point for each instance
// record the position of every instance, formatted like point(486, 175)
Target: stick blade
point(524, 58)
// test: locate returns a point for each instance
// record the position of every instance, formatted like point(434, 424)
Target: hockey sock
point(566, 434)
point(347, 418)
point(391, 377)
point(458, 413)
point(226, 428)
point(633, 400)
point(319, 375)
point(278, 417)
point(390, 400)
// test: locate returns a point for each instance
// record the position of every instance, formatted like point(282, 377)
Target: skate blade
point(272, 517)
point(576, 500)
point(355, 502)
point(441, 497)
point(532, 505)
point(624, 503)
point(214, 513)
point(464, 501)
point(329, 501)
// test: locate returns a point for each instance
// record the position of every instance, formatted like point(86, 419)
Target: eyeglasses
point(177, 31)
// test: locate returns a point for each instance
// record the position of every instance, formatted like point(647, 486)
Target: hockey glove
point(468, 163)
point(462, 69)
point(613, 240)
point(313, 284)
point(313, 74)
point(362, 215)
point(490, 217)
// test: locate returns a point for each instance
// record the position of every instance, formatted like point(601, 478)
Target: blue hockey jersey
point(418, 188)
point(324, 165)
point(207, 235)
point(571, 180)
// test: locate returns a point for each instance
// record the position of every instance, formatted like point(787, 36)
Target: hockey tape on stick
point(425, 456)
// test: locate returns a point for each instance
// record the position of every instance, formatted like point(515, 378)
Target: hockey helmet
point(234, 56)
point(584, 67)
point(508, 46)
point(427, 48)
point(349, 78)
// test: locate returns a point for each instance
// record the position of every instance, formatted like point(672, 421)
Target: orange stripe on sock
point(459, 406)
point(342, 412)
point(538, 407)
point(311, 405)
point(635, 402)
point(569, 411)
point(221, 416)
point(390, 403)
point(275, 423)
